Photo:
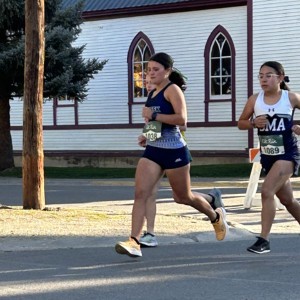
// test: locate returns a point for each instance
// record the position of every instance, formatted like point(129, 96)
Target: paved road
point(179, 268)
point(217, 271)
point(65, 191)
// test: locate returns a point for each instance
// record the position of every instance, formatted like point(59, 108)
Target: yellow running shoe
point(221, 226)
point(130, 247)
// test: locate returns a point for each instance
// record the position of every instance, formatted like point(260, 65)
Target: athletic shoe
point(129, 247)
point(217, 198)
point(148, 240)
point(221, 226)
point(260, 246)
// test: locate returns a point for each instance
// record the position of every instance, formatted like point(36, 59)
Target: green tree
point(66, 71)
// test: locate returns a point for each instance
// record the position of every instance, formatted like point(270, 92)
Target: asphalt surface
point(105, 195)
point(181, 267)
point(175, 271)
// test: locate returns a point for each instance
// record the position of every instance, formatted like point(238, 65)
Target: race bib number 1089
point(271, 144)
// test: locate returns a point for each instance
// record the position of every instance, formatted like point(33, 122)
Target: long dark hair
point(280, 71)
point(167, 61)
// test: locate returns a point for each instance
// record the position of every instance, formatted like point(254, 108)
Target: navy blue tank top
point(171, 137)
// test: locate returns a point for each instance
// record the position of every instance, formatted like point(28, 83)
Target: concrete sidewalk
point(174, 223)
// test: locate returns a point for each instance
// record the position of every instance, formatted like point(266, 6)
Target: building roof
point(118, 8)
point(93, 5)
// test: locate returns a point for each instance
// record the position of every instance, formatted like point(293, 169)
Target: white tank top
point(283, 106)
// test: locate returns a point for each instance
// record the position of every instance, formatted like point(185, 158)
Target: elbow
point(182, 121)
point(239, 125)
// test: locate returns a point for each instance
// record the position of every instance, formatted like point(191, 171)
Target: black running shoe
point(260, 246)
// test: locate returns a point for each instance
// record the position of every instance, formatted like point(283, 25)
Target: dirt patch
point(89, 222)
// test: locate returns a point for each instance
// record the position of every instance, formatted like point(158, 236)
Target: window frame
point(219, 64)
point(208, 98)
point(60, 104)
point(130, 59)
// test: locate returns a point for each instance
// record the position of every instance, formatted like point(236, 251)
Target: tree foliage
point(66, 71)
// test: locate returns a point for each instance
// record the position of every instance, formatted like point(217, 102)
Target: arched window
point(141, 57)
point(139, 54)
point(219, 57)
point(220, 68)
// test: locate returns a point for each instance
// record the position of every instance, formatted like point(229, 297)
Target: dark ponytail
point(283, 84)
point(167, 61)
point(177, 78)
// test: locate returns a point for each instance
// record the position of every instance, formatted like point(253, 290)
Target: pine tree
point(66, 71)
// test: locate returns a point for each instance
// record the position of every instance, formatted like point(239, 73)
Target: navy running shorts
point(168, 158)
point(267, 161)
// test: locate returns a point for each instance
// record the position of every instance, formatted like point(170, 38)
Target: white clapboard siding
point(48, 113)
point(93, 139)
point(65, 116)
point(85, 139)
point(276, 29)
point(278, 40)
point(184, 36)
point(206, 139)
point(16, 112)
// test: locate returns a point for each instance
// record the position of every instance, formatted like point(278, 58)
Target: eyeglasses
point(268, 76)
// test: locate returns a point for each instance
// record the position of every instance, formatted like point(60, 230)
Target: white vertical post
point(253, 181)
point(252, 185)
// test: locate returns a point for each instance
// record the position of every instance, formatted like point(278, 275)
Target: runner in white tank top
point(271, 112)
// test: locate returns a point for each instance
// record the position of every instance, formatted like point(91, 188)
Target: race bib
point(271, 144)
point(152, 130)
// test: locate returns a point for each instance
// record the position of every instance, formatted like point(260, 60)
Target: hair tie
point(286, 79)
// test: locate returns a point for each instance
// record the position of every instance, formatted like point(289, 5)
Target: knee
point(141, 195)
point(266, 194)
point(181, 199)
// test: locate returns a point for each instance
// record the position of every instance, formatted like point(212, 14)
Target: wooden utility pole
point(33, 153)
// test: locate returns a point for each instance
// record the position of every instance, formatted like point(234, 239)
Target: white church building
point(218, 45)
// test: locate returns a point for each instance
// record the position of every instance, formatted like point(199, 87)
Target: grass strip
point(213, 171)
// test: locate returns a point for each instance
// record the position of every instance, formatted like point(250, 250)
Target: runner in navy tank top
point(161, 105)
point(166, 150)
